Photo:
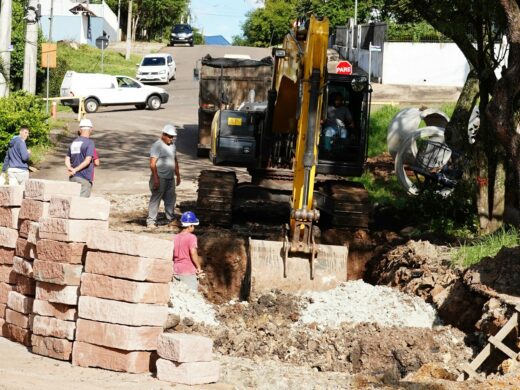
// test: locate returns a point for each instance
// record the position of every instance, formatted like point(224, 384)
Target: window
point(126, 82)
point(182, 28)
point(153, 61)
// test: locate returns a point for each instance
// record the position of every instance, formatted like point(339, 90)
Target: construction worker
point(186, 261)
point(80, 158)
point(17, 158)
point(163, 166)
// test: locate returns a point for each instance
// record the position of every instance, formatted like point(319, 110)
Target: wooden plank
point(504, 348)
point(508, 327)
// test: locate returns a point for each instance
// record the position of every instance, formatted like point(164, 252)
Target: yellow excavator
point(288, 152)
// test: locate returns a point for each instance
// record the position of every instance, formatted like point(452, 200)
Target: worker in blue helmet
point(186, 261)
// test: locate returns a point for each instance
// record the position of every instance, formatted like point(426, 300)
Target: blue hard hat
point(189, 218)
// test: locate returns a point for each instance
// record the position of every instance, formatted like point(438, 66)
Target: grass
point(490, 245)
point(379, 121)
point(87, 59)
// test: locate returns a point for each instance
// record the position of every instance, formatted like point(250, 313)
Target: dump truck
point(226, 82)
point(286, 148)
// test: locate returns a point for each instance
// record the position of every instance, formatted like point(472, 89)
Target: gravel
point(358, 302)
point(187, 303)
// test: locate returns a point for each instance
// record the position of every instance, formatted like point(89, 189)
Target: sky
point(221, 17)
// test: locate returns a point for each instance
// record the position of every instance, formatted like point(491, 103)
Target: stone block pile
point(186, 359)
point(123, 302)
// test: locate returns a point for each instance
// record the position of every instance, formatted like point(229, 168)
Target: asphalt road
point(123, 135)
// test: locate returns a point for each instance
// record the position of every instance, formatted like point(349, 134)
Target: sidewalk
point(413, 94)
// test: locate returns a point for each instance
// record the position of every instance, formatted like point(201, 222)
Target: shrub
point(22, 109)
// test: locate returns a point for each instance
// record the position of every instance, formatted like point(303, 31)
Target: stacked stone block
point(186, 359)
point(123, 304)
point(10, 200)
point(60, 253)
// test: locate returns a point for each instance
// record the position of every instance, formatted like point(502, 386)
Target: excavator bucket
point(266, 268)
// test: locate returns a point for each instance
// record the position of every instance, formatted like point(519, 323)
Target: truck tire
point(91, 105)
point(154, 102)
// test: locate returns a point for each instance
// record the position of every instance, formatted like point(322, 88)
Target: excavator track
point(215, 197)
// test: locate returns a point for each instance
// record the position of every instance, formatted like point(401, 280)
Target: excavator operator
point(339, 123)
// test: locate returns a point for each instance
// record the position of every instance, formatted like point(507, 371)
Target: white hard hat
point(170, 130)
point(85, 123)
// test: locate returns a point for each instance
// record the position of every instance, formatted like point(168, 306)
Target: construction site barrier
point(81, 107)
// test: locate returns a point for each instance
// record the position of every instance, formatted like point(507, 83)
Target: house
point(78, 21)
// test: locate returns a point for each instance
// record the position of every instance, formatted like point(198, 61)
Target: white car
point(106, 90)
point(156, 68)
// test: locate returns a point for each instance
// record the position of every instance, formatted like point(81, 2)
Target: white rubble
point(357, 301)
point(187, 303)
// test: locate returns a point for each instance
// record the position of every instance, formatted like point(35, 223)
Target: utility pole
point(31, 48)
point(48, 68)
point(118, 20)
point(129, 31)
point(5, 42)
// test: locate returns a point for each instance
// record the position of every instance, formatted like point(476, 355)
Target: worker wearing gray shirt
point(163, 164)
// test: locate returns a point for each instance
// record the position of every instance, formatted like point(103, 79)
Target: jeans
point(166, 193)
point(86, 186)
point(190, 280)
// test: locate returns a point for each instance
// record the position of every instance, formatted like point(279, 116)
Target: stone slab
point(52, 327)
point(55, 293)
point(56, 310)
point(3, 307)
point(19, 319)
point(7, 255)
point(51, 347)
point(25, 286)
point(23, 267)
point(70, 229)
point(196, 373)
point(116, 312)
point(25, 249)
point(44, 189)
point(11, 195)
point(19, 302)
point(128, 338)
point(4, 332)
point(8, 237)
point(131, 244)
point(63, 252)
point(124, 290)
point(7, 274)
point(9, 217)
point(23, 227)
point(34, 209)
point(75, 207)
point(185, 348)
point(34, 233)
point(5, 289)
point(57, 273)
point(19, 335)
point(89, 355)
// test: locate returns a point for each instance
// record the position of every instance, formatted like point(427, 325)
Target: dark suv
point(181, 33)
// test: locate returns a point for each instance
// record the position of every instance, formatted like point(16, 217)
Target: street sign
point(374, 48)
point(48, 59)
point(102, 42)
point(344, 67)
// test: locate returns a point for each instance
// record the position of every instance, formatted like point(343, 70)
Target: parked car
point(156, 68)
point(106, 90)
point(181, 33)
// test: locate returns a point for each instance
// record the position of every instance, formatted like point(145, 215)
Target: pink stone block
point(11, 195)
point(5, 289)
point(185, 348)
point(131, 244)
point(135, 314)
point(63, 252)
point(7, 274)
point(3, 307)
point(18, 335)
point(69, 229)
point(23, 267)
point(124, 290)
point(67, 295)
point(23, 227)
point(88, 355)
point(6, 256)
point(34, 209)
point(9, 217)
point(43, 189)
point(25, 286)
point(48, 326)
point(196, 373)
point(128, 338)
point(19, 302)
point(51, 347)
point(8, 237)
point(34, 233)
point(129, 267)
point(57, 273)
point(24, 249)
point(74, 207)
point(19, 319)
point(56, 310)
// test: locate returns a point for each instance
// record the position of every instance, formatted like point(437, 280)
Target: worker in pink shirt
point(186, 262)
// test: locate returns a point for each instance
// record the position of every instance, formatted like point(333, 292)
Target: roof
point(157, 55)
point(80, 8)
point(216, 40)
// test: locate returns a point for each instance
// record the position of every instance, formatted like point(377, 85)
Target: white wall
point(441, 64)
